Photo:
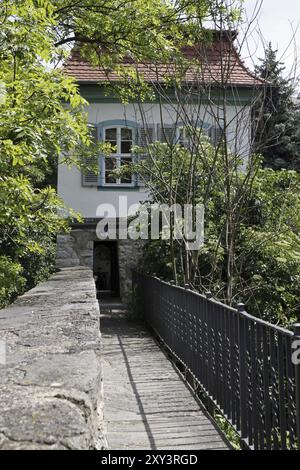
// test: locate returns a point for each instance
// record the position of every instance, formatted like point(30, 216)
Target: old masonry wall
point(76, 249)
point(50, 371)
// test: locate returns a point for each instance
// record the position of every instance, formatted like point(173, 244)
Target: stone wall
point(76, 249)
point(51, 380)
point(129, 254)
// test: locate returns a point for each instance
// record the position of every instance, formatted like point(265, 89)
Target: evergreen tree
point(277, 131)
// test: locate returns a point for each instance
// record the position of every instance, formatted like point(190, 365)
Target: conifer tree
point(277, 115)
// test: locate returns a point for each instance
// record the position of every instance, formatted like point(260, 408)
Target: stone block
point(51, 385)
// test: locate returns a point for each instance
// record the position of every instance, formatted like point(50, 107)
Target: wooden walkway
point(146, 404)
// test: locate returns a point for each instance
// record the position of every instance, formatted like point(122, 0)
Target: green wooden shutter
point(90, 178)
point(145, 136)
point(166, 133)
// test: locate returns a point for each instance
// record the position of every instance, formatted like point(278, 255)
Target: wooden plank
point(146, 403)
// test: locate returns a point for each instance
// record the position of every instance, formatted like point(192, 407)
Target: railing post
point(296, 362)
point(242, 370)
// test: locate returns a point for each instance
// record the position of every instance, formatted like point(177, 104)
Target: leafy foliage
point(268, 247)
point(277, 136)
point(11, 279)
point(266, 263)
point(41, 118)
point(41, 111)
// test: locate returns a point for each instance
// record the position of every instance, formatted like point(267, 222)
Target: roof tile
point(217, 64)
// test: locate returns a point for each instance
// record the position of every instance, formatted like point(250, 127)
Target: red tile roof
point(219, 63)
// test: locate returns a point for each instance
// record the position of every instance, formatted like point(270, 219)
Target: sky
point(277, 21)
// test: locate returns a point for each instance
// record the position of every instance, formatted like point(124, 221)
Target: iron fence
point(243, 364)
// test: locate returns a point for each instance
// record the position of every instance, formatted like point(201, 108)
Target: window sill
point(119, 188)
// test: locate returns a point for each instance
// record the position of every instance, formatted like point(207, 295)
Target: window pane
point(126, 147)
point(126, 134)
point(111, 138)
point(110, 165)
point(126, 140)
point(114, 146)
point(126, 179)
point(111, 134)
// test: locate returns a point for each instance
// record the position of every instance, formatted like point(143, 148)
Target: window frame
point(181, 129)
point(209, 130)
point(118, 155)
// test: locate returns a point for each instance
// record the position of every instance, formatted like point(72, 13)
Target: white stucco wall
point(86, 200)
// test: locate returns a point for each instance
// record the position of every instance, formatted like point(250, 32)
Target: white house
point(125, 125)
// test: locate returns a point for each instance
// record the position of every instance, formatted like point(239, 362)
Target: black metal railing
point(243, 364)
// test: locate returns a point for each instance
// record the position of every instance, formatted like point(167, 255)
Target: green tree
point(277, 131)
point(41, 112)
point(268, 253)
point(266, 256)
point(41, 119)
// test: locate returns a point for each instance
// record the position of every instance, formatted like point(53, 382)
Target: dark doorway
point(106, 269)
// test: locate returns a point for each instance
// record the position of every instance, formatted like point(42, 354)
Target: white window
point(121, 139)
point(184, 136)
